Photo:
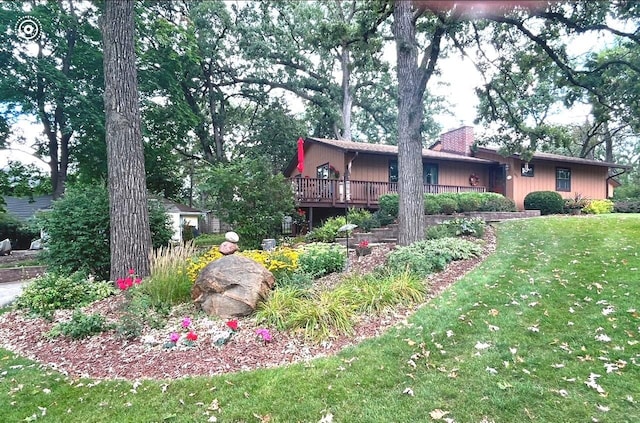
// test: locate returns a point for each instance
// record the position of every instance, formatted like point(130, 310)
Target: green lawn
point(546, 330)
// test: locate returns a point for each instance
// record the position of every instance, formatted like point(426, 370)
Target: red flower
point(233, 325)
point(363, 244)
point(191, 336)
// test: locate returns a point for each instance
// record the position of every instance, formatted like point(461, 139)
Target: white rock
point(231, 237)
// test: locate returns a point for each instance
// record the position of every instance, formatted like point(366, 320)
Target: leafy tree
point(78, 230)
point(251, 198)
point(20, 180)
point(130, 236)
point(56, 77)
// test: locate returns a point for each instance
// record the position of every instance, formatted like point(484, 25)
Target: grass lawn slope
point(546, 330)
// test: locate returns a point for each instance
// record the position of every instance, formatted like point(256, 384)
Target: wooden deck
point(313, 192)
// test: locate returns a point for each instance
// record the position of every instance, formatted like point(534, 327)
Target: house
point(181, 215)
point(452, 164)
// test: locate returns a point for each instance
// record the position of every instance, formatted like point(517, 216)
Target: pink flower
point(186, 322)
point(191, 336)
point(264, 334)
point(137, 281)
point(233, 325)
point(132, 271)
point(174, 337)
point(363, 244)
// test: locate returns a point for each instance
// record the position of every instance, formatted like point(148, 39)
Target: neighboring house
point(452, 164)
point(24, 208)
point(181, 215)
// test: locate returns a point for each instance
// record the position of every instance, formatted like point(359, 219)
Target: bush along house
point(452, 164)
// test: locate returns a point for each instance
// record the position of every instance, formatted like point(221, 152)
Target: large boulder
point(232, 286)
point(5, 247)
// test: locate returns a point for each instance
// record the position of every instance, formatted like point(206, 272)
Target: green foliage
point(279, 306)
point(363, 218)
point(23, 180)
point(327, 313)
point(208, 240)
point(78, 228)
point(250, 197)
point(19, 233)
point(321, 259)
point(298, 280)
point(389, 205)
point(81, 326)
point(425, 257)
point(447, 203)
point(328, 232)
point(599, 207)
point(548, 202)
point(52, 291)
point(469, 201)
point(578, 202)
point(629, 206)
point(492, 201)
point(140, 310)
point(169, 283)
point(457, 227)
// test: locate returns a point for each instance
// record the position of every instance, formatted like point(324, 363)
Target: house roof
point(173, 207)
point(561, 158)
point(385, 149)
point(25, 208)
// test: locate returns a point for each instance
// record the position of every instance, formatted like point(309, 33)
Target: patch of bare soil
point(105, 356)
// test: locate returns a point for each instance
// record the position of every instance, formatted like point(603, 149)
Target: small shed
point(181, 215)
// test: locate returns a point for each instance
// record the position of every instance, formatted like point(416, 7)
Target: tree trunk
point(410, 113)
point(130, 234)
point(347, 99)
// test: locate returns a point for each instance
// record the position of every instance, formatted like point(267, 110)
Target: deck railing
point(364, 193)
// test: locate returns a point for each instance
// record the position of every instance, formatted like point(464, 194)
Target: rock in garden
point(232, 286)
point(227, 248)
point(5, 247)
point(232, 237)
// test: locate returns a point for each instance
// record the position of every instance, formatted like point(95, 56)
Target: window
point(526, 170)
point(322, 171)
point(393, 171)
point(563, 179)
point(429, 173)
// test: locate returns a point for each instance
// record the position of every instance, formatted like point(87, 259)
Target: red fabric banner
point(300, 155)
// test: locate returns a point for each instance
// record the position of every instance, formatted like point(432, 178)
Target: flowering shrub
point(282, 260)
point(196, 264)
point(599, 207)
point(129, 281)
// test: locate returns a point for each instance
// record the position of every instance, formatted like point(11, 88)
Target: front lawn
point(546, 330)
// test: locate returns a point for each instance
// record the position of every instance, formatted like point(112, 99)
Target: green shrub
point(208, 240)
point(469, 202)
point(277, 309)
point(462, 226)
point(77, 230)
point(297, 280)
point(328, 232)
point(448, 204)
point(494, 202)
point(627, 206)
point(425, 257)
point(52, 291)
point(431, 204)
point(389, 205)
point(362, 218)
point(599, 207)
point(81, 326)
point(439, 231)
point(321, 259)
point(548, 202)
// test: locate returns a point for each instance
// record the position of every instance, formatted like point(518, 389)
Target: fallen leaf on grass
point(438, 414)
point(408, 391)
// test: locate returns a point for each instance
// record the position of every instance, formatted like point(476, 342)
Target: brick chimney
point(458, 141)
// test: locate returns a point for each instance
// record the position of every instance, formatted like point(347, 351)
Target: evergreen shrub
point(548, 202)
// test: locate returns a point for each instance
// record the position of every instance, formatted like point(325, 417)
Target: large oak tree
point(130, 234)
